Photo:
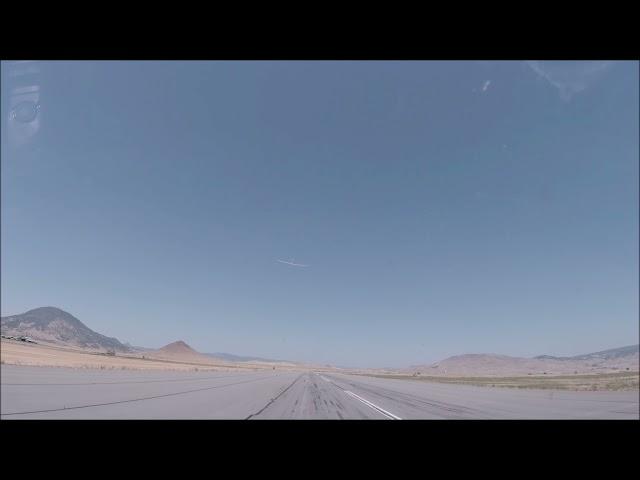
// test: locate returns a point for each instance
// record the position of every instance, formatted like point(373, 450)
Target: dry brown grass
point(17, 353)
point(592, 382)
point(39, 355)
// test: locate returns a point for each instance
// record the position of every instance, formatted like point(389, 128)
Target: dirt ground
point(19, 353)
point(593, 382)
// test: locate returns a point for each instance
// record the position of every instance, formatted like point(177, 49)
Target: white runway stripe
point(375, 407)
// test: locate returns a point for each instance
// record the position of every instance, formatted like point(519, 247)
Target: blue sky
point(443, 207)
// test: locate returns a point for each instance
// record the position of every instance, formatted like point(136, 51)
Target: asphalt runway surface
point(61, 393)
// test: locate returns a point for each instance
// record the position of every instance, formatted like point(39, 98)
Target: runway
point(61, 393)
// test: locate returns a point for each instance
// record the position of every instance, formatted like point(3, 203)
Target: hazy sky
point(442, 207)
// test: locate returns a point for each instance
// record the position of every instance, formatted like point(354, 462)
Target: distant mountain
point(50, 324)
point(178, 348)
point(483, 364)
point(180, 351)
point(603, 355)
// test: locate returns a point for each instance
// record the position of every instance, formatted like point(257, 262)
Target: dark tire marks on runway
point(274, 399)
point(446, 410)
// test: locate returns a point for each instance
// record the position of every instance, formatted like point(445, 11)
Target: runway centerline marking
point(375, 407)
point(365, 401)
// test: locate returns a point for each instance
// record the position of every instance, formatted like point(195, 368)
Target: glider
point(292, 263)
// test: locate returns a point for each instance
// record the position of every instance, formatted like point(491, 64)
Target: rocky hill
point(53, 325)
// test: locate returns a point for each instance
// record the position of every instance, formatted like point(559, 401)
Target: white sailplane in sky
point(292, 263)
